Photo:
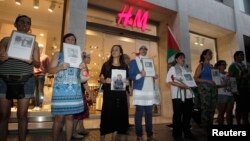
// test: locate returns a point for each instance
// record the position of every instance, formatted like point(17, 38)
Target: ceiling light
point(202, 41)
point(197, 41)
point(18, 2)
point(36, 4)
point(52, 6)
point(93, 47)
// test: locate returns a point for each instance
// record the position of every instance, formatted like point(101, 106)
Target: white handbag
point(157, 96)
point(99, 99)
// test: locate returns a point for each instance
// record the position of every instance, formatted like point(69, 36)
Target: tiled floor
point(161, 133)
point(90, 123)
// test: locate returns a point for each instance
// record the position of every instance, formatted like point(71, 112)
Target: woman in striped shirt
point(14, 74)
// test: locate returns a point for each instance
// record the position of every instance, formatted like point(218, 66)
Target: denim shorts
point(28, 88)
point(225, 99)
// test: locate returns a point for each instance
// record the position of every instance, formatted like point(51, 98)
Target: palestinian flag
point(173, 46)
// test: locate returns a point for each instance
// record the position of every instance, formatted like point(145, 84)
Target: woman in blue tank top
point(206, 87)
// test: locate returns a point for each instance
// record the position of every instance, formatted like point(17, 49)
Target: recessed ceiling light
point(18, 2)
point(52, 6)
point(36, 4)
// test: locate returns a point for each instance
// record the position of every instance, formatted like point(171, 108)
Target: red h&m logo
point(127, 19)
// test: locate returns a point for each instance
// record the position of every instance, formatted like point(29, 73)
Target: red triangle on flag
point(173, 46)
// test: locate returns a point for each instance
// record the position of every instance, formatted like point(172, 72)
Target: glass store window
point(100, 40)
point(99, 45)
point(244, 6)
point(46, 26)
point(197, 44)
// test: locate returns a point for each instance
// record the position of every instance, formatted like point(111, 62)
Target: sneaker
point(77, 136)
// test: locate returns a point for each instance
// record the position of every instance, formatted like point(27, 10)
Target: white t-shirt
point(225, 80)
point(144, 97)
point(176, 92)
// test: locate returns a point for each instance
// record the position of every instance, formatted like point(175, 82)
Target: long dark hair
point(108, 64)
point(204, 52)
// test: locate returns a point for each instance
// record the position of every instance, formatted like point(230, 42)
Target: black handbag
point(15, 91)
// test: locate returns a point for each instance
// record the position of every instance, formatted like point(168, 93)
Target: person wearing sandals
point(79, 130)
point(67, 97)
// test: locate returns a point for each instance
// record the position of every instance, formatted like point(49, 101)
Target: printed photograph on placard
point(216, 77)
point(72, 55)
point(148, 66)
point(118, 80)
point(233, 85)
point(23, 44)
point(188, 79)
point(73, 52)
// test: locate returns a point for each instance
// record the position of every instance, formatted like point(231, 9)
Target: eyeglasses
point(223, 64)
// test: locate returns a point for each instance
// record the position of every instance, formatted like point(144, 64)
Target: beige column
point(76, 18)
point(182, 29)
point(238, 27)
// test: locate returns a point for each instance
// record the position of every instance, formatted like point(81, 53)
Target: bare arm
point(36, 56)
point(54, 67)
point(197, 74)
point(3, 49)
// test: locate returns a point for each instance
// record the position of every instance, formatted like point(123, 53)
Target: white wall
point(244, 24)
point(212, 12)
point(169, 4)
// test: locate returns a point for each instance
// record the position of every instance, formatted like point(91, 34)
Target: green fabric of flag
point(173, 46)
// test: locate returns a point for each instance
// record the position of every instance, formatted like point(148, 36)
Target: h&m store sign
point(126, 18)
